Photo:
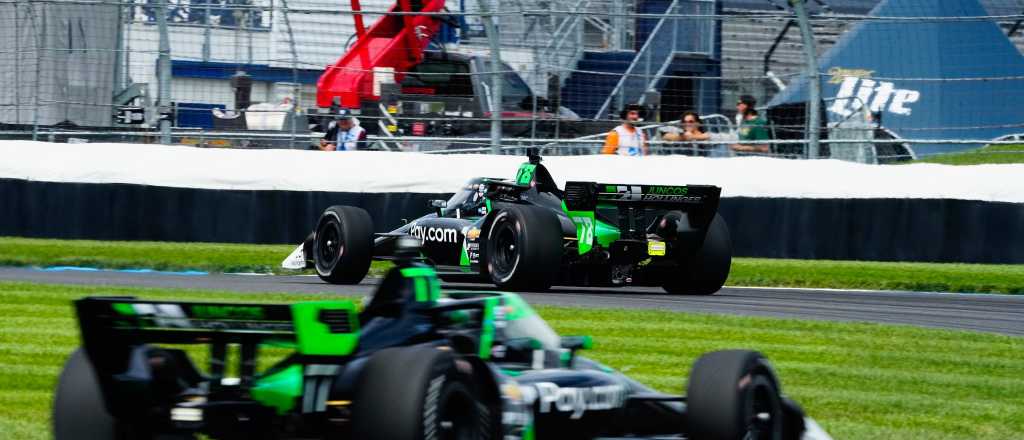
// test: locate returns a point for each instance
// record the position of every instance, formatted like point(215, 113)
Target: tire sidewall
point(351, 261)
point(705, 272)
point(539, 244)
point(329, 218)
point(402, 392)
point(504, 217)
point(720, 392)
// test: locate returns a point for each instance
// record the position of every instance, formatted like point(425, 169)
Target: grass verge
point(208, 257)
point(213, 257)
point(860, 381)
point(992, 154)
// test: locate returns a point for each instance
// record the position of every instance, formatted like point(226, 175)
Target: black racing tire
point(343, 245)
point(733, 395)
point(523, 250)
point(413, 393)
point(706, 271)
point(78, 408)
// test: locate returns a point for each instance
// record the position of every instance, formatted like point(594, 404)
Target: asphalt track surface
point(1002, 314)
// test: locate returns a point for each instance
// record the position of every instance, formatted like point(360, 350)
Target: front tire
point(343, 245)
point(523, 250)
point(733, 395)
point(706, 271)
point(414, 393)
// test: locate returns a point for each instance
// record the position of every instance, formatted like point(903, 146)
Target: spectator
point(344, 134)
point(692, 130)
point(626, 139)
point(753, 128)
point(746, 102)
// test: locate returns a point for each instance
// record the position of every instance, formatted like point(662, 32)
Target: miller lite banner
point(937, 79)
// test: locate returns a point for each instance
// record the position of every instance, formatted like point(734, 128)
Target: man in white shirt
point(627, 139)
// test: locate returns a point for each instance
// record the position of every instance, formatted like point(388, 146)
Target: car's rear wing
point(131, 344)
point(315, 328)
point(700, 202)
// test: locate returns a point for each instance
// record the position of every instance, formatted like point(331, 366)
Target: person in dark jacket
point(344, 134)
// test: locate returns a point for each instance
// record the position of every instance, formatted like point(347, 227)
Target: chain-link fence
point(865, 80)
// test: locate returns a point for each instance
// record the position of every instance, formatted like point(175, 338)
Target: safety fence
point(868, 81)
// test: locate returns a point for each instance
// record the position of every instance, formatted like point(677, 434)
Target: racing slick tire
point(733, 395)
point(413, 393)
point(523, 250)
point(343, 245)
point(706, 271)
point(78, 408)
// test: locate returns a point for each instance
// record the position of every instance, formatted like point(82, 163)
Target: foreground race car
point(527, 234)
point(413, 364)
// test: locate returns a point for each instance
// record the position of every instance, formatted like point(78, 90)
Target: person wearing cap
point(745, 103)
point(626, 139)
point(344, 134)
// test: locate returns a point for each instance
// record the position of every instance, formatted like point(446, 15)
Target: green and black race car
point(528, 234)
point(414, 363)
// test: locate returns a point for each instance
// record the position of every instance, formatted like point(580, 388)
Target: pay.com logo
point(855, 92)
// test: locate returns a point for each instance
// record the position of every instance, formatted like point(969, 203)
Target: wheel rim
point(458, 420)
point(764, 411)
point(503, 250)
point(329, 245)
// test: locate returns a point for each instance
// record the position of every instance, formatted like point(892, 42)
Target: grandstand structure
point(596, 55)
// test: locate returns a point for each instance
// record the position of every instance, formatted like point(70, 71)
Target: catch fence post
point(811, 132)
point(164, 74)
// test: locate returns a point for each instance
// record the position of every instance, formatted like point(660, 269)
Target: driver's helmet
point(469, 201)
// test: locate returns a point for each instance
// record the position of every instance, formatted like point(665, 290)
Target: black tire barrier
point(940, 230)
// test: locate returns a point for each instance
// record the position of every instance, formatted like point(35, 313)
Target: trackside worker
point(626, 139)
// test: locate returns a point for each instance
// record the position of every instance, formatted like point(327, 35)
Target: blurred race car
point(528, 234)
point(414, 363)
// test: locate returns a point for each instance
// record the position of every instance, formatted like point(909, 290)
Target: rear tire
point(523, 250)
point(343, 245)
point(414, 393)
point(79, 411)
point(706, 271)
point(733, 395)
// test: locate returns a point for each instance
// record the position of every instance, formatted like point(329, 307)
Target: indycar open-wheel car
point(414, 363)
point(528, 234)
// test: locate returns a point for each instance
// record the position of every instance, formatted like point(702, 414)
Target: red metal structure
point(395, 41)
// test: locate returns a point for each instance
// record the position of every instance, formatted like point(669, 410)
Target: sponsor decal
point(440, 235)
point(838, 73)
point(212, 317)
point(656, 248)
point(669, 190)
point(226, 312)
point(575, 401)
point(857, 89)
point(650, 194)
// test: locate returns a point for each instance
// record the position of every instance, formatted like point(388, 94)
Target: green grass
point(992, 154)
point(209, 257)
point(215, 257)
point(927, 277)
point(860, 381)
